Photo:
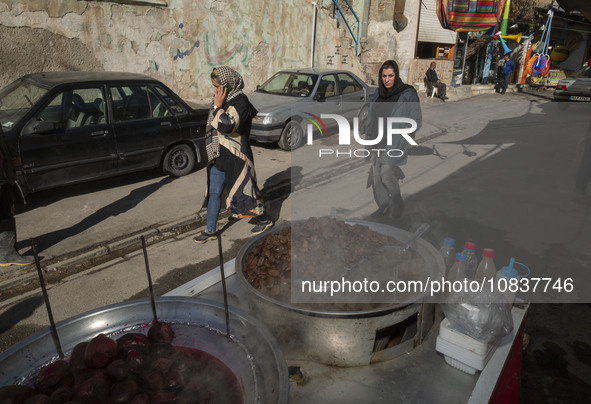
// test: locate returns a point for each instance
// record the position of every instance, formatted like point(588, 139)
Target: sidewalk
point(82, 257)
point(472, 90)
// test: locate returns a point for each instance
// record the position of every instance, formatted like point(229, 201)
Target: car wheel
point(292, 136)
point(179, 160)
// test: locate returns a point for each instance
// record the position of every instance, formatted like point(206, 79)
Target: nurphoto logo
point(391, 128)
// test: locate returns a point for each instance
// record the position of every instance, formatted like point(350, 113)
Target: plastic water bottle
point(486, 269)
point(506, 274)
point(504, 278)
point(448, 252)
point(471, 259)
point(457, 271)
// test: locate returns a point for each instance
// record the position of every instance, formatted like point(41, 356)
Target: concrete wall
point(385, 42)
point(180, 43)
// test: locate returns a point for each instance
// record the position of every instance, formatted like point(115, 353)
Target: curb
point(60, 268)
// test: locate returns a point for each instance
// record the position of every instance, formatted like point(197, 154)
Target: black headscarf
point(392, 94)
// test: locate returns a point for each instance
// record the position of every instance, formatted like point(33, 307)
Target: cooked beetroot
point(173, 379)
point(117, 370)
point(141, 399)
point(93, 390)
point(152, 380)
point(163, 365)
point(161, 350)
point(123, 392)
point(15, 394)
point(164, 397)
point(161, 332)
point(132, 338)
point(77, 357)
point(54, 375)
point(137, 358)
point(100, 351)
point(62, 395)
point(162, 375)
point(133, 369)
point(38, 399)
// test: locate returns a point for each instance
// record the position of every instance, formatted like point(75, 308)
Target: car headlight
point(263, 119)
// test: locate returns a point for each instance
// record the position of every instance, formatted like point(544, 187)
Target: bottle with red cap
point(486, 269)
point(471, 259)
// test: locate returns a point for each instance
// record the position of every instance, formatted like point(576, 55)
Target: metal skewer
point(54, 334)
point(223, 274)
point(149, 279)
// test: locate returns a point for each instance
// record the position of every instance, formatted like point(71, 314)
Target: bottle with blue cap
point(506, 273)
point(458, 270)
point(448, 252)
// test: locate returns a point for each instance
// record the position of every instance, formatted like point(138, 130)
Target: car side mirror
point(319, 97)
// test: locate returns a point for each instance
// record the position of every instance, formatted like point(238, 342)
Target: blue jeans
point(504, 81)
point(217, 180)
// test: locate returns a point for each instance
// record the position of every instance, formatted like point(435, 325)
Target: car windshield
point(16, 99)
point(290, 84)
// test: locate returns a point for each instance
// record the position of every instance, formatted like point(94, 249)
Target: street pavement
point(497, 170)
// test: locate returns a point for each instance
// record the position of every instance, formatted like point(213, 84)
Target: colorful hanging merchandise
point(469, 15)
point(539, 64)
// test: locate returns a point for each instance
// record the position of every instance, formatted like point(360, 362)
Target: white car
point(286, 100)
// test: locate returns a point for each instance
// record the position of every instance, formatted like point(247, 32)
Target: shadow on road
point(122, 205)
point(277, 189)
point(19, 312)
point(50, 196)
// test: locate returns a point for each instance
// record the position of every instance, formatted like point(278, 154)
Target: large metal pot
point(345, 338)
point(252, 353)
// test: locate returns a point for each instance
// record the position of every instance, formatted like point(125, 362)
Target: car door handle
point(165, 123)
point(99, 133)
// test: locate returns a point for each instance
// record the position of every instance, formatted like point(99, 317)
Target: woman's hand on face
point(219, 95)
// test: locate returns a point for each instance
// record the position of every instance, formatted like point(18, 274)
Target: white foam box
point(462, 351)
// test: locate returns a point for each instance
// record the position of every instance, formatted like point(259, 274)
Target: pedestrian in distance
point(508, 68)
point(8, 254)
point(433, 81)
point(230, 160)
point(393, 99)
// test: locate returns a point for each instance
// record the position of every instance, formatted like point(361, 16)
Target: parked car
point(576, 87)
point(70, 127)
point(284, 99)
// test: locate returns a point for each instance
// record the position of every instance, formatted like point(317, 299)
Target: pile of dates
point(315, 249)
point(133, 369)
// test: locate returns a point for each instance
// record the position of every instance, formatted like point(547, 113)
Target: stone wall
point(180, 43)
point(385, 42)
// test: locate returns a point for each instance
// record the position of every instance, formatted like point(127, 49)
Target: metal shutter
point(430, 29)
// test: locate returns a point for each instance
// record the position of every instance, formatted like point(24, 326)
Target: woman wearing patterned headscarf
point(230, 159)
point(394, 99)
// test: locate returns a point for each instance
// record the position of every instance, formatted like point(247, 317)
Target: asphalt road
point(496, 170)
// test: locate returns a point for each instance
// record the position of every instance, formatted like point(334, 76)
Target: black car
point(70, 127)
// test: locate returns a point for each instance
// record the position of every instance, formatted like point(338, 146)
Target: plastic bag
point(479, 315)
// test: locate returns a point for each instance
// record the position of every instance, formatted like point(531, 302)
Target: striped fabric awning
point(469, 15)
